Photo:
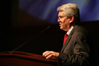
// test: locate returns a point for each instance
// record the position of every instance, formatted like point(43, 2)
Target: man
point(76, 50)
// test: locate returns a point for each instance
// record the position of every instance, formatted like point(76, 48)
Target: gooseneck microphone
point(30, 39)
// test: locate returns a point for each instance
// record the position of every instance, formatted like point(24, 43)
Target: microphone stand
point(29, 39)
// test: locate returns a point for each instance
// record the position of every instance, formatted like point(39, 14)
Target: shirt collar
point(68, 32)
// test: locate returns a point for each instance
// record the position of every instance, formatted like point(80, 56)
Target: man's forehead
point(61, 13)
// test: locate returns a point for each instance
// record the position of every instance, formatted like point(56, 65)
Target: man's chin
point(61, 28)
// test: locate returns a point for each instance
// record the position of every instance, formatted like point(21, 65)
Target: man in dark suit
point(76, 49)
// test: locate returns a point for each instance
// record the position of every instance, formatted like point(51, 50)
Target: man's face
point(63, 21)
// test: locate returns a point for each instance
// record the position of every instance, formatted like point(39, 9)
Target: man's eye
point(61, 16)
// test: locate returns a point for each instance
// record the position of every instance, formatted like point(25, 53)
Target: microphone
point(30, 39)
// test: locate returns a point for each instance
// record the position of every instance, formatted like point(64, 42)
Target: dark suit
point(76, 50)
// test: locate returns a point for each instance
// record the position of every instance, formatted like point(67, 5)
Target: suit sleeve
point(80, 53)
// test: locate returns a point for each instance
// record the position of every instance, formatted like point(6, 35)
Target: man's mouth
point(59, 24)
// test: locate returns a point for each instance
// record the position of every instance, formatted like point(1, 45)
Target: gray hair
point(70, 9)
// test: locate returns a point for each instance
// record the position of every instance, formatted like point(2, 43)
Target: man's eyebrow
point(59, 15)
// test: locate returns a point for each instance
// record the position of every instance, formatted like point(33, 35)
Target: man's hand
point(50, 54)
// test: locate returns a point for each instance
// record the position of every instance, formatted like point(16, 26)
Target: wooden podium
point(18, 58)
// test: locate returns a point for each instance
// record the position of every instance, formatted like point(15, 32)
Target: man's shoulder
point(80, 29)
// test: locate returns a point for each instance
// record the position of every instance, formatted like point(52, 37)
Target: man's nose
point(58, 20)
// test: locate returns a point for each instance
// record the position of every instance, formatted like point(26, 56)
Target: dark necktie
point(65, 37)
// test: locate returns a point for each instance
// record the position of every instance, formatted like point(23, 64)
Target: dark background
point(51, 39)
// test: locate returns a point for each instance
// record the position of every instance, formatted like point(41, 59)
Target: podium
point(18, 58)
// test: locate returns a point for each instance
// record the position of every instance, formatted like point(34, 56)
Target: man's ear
point(71, 19)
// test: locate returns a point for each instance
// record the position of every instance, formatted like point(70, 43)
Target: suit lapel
point(69, 37)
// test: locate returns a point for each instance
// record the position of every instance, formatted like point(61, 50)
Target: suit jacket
point(76, 50)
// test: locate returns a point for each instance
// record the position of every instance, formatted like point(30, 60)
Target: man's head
point(68, 16)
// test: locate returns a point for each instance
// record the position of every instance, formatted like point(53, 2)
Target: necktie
point(65, 37)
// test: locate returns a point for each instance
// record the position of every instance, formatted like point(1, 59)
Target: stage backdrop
point(43, 12)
